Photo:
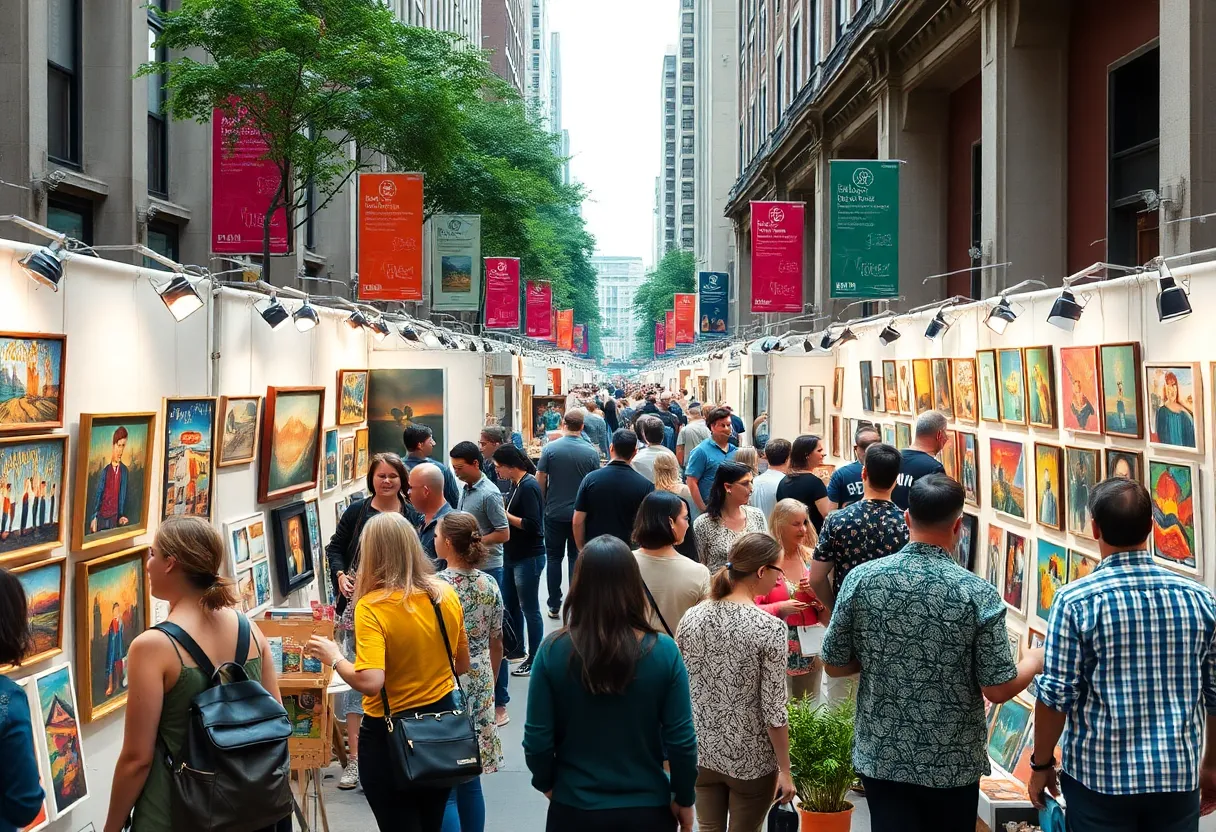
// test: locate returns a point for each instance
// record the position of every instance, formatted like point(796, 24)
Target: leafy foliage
point(821, 753)
point(676, 272)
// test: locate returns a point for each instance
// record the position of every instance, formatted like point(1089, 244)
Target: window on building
point(670, 119)
point(780, 67)
point(686, 4)
point(686, 26)
point(686, 48)
point(536, 63)
point(71, 216)
point(842, 17)
point(686, 121)
point(310, 205)
point(686, 144)
point(686, 165)
point(796, 58)
point(1134, 132)
point(686, 70)
point(163, 239)
point(158, 122)
point(686, 190)
point(742, 149)
point(764, 108)
point(763, 27)
point(63, 80)
point(812, 35)
point(977, 217)
point(686, 96)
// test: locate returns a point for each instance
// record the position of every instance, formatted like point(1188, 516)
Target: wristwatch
point(1050, 764)
point(334, 664)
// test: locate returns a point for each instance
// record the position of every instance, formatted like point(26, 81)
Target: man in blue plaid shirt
point(1129, 679)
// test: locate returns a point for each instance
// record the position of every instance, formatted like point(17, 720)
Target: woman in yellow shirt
point(398, 647)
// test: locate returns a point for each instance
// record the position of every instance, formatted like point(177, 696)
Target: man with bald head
point(426, 495)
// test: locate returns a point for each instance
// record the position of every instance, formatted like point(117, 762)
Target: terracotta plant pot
point(827, 821)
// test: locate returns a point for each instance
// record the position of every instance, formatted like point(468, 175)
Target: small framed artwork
point(1173, 487)
point(262, 595)
point(903, 435)
point(922, 384)
point(361, 452)
point(838, 388)
point(966, 405)
point(888, 434)
point(1015, 572)
point(113, 478)
point(1048, 483)
point(291, 441)
point(877, 395)
point(45, 583)
point(890, 386)
point(1009, 728)
point(969, 466)
point(330, 480)
point(867, 385)
point(1052, 572)
point(965, 554)
point(1174, 395)
point(246, 541)
point(995, 555)
point(904, 382)
point(1008, 477)
point(43, 818)
point(1082, 473)
point(347, 444)
point(340, 506)
point(352, 397)
point(835, 435)
point(1121, 399)
point(943, 399)
point(238, 442)
point(188, 458)
point(990, 408)
point(1080, 385)
point(1080, 564)
point(1040, 386)
point(32, 470)
point(32, 366)
point(312, 513)
point(113, 606)
point(1014, 636)
point(1124, 463)
point(811, 410)
point(292, 550)
point(60, 735)
point(1035, 638)
point(1012, 386)
point(949, 456)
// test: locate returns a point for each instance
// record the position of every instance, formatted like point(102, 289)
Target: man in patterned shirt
point(1130, 678)
point(928, 638)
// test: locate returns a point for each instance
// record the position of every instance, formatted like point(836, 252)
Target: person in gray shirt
point(564, 463)
point(595, 427)
point(691, 435)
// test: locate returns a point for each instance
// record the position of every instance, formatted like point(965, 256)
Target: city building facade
point(669, 160)
point(504, 32)
point(619, 279)
point(538, 90)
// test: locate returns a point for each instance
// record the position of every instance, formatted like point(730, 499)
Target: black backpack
point(232, 772)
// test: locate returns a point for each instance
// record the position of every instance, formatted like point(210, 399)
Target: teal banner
point(865, 229)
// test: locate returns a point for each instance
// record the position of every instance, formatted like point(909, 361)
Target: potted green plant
point(821, 758)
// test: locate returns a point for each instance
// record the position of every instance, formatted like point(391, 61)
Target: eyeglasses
point(777, 568)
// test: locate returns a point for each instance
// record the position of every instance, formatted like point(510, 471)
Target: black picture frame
point(292, 578)
point(965, 556)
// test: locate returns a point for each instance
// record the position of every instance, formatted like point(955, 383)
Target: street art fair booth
point(104, 352)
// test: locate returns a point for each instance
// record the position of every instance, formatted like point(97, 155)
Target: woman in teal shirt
point(20, 791)
point(608, 702)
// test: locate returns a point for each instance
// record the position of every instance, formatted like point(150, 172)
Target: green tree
point(675, 273)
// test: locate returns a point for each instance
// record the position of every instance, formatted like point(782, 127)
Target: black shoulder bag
point(437, 750)
point(655, 605)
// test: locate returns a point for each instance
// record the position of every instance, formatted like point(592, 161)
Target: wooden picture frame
point(1049, 468)
point(943, 396)
point(838, 387)
point(330, 461)
point(290, 454)
point(46, 614)
point(987, 385)
point(351, 397)
point(236, 441)
point(98, 447)
point(968, 542)
point(903, 381)
point(1011, 380)
point(1081, 390)
point(1120, 366)
point(1040, 370)
point(1015, 574)
point(890, 385)
point(966, 396)
point(346, 457)
point(34, 521)
point(1001, 452)
point(949, 456)
point(97, 651)
point(1176, 501)
point(1078, 459)
point(866, 370)
point(1174, 428)
point(969, 469)
point(361, 454)
point(922, 385)
point(188, 457)
point(1116, 460)
point(19, 355)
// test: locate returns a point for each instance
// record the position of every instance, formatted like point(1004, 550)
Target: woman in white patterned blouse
point(727, 515)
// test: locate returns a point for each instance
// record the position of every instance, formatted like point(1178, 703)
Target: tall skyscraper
point(555, 102)
point(504, 31)
point(538, 90)
point(619, 279)
point(668, 160)
point(715, 141)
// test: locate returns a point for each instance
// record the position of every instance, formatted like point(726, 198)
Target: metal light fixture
point(180, 297)
point(357, 320)
point(937, 326)
point(1001, 316)
point(1066, 311)
point(43, 265)
point(409, 333)
point(889, 334)
point(306, 317)
point(843, 337)
point(431, 340)
point(379, 328)
point(472, 345)
point(273, 312)
point(1172, 302)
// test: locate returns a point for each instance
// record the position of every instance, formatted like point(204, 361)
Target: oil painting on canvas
point(1048, 481)
point(291, 441)
point(1121, 389)
point(1175, 406)
point(31, 381)
point(1172, 487)
point(1040, 386)
point(113, 609)
point(402, 397)
point(1079, 389)
point(966, 406)
point(1013, 386)
point(61, 733)
point(1082, 472)
point(187, 458)
point(1052, 574)
point(238, 430)
point(44, 583)
point(31, 494)
point(922, 384)
point(352, 396)
point(990, 408)
point(1008, 477)
point(113, 478)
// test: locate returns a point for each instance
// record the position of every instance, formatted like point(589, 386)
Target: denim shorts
point(350, 702)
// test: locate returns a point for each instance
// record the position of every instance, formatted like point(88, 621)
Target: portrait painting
point(903, 378)
point(113, 607)
point(877, 394)
point(1052, 566)
point(922, 384)
point(1082, 472)
point(32, 472)
point(1008, 477)
point(348, 459)
point(352, 396)
point(995, 555)
point(1121, 400)
point(60, 732)
point(867, 385)
point(238, 442)
point(1015, 572)
point(31, 381)
point(1009, 729)
point(1048, 481)
point(291, 441)
point(330, 480)
point(838, 387)
point(1013, 386)
point(969, 467)
point(1040, 386)
point(399, 398)
point(261, 586)
point(890, 386)
point(1079, 389)
point(44, 583)
point(188, 458)
point(990, 408)
point(361, 456)
point(1126, 464)
point(293, 550)
point(949, 456)
point(943, 399)
point(965, 554)
point(811, 409)
point(1172, 486)
point(966, 404)
point(113, 478)
point(1080, 564)
point(1175, 406)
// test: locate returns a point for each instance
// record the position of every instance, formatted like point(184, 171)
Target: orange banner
point(565, 329)
point(669, 333)
point(686, 318)
point(390, 236)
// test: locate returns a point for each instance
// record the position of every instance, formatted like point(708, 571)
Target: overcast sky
point(612, 65)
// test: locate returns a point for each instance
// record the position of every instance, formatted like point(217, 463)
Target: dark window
point(163, 239)
point(63, 80)
point(977, 218)
point(1134, 131)
point(158, 124)
point(763, 27)
point(686, 144)
point(686, 121)
point(686, 190)
point(842, 17)
point(686, 96)
point(310, 205)
point(686, 165)
point(780, 84)
point(70, 216)
point(796, 58)
point(686, 71)
point(812, 34)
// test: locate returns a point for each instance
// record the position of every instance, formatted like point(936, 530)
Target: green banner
point(865, 229)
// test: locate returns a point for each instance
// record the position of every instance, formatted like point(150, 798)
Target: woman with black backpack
point(164, 678)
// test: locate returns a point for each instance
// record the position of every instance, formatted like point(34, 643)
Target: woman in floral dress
point(458, 541)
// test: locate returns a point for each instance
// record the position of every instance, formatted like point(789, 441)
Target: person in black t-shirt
point(801, 484)
point(920, 460)
point(845, 486)
point(608, 499)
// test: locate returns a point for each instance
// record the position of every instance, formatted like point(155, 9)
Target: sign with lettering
point(243, 183)
point(686, 317)
point(713, 288)
point(865, 229)
point(539, 307)
point(455, 262)
point(777, 256)
point(502, 293)
point(390, 236)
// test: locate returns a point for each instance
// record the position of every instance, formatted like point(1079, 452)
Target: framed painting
point(1008, 487)
point(45, 583)
point(32, 470)
point(811, 410)
point(348, 459)
point(838, 387)
point(238, 442)
point(32, 369)
point(1040, 386)
point(1013, 635)
point(903, 380)
point(292, 550)
point(1009, 728)
point(965, 554)
point(1082, 472)
point(113, 606)
point(949, 456)
point(1052, 571)
point(1015, 572)
point(262, 595)
point(867, 385)
point(188, 459)
point(312, 513)
point(361, 456)
point(352, 397)
point(397, 399)
point(43, 818)
point(968, 460)
point(922, 384)
point(834, 435)
point(1035, 638)
point(1080, 383)
point(890, 386)
point(1121, 399)
point(995, 556)
point(966, 405)
point(1013, 386)
point(903, 435)
point(943, 399)
point(113, 478)
point(990, 407)
point(60, 733)
point(1173, 488)
point(330, 481)
point(1080, 564)
point(877, 394)
point(1048, 482)
point(291, 441)
point(246, 541)
point(1174, 416)
point(1124, 463)
point(888, 435)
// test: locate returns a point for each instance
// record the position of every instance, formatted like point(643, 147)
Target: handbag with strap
point(435, 749)
point(657, 611)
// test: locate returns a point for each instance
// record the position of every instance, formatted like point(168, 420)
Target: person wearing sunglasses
point(727, 515)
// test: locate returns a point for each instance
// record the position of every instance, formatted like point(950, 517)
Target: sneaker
point(350, 776)
point(516, 658)
point(501, 717)
point(524, 669)
point(555, 614)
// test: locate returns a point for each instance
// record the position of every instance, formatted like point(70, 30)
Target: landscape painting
point(44, 583)
point(922, 384)
point(61, 734)
point(1048, 481)
point(238, 442)
point(31, 381)
point(1015, 572)
point(1172, 487)
point(1082, 472)
point(399, 398)
point(189, 434)
point(113, 608)
point(1126, 464)
point(1175, 406)
point(1008, 730)
point(31, 494)
point(969, 459)
point(261, 585)
point(113, 478)
point(890, 386)
point(330, 481)
point(1121, 401)
point(291, 441)
point(1079, 389)
point(352, 397)
point(1052, 573)
point(1040, 386)
point(943, 400)
point(966, 404)
point(1008, 477)
point(1013, 386)
point(990, 409)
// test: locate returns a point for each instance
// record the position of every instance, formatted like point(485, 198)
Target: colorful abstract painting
point(1012, 386)
point(114, 608)
point(922, 384)
point(61, 734)
point(1080, 564)
point(187, 457)
point(1008, 485)
point(31, 494)
point(1172, 487)
point(1121, 390)
point(31, 381)
point(1052, 573)
point(1079, 389)
point(1175, 406)
point(403, 397)
point(352, 396)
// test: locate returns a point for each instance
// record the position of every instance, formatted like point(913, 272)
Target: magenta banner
point(586, 348)
point(580, 339)
point(242, 185)
point(502, 293)
point(539, 310)
point(660, 338)
point(777, 230)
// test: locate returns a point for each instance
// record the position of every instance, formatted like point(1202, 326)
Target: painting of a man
point(1048, 511)
point(295, 554)
point(115, 652)
point(107, 509)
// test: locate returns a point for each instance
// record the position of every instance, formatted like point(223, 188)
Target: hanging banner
point(865, 229)
point(456, 262)
point(539, 302)
point(713, 288)
point(390, 236)
point(552, 336)
point(243, 183)
point(686, 317)
point(669, 329)
point(586, 336)
point(777, 229)
point(565, 329)
point(502, 293)
point(660, 338)
point(580, 339)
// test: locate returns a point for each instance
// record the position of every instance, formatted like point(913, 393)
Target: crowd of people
point(687, 572)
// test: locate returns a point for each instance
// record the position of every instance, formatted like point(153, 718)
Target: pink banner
point(777, 231)
point(242, 185)
point(540, 304)
point(586, 347)
point(502, 293)
point(660, 338)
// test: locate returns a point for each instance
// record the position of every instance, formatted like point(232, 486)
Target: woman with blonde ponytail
point(183, 565)
point(736, 658)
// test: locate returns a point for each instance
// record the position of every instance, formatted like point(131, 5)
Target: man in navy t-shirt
point(845, 488)
point(920, 460)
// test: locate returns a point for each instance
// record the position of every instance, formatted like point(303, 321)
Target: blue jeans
point(466, 809)
point(501, 695)
point(521, 598)
point(559, 543)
